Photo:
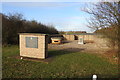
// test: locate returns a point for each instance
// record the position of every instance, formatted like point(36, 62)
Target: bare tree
point(104, 14)
point(105, 19)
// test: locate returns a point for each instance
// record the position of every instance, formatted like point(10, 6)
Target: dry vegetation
point(94, 47)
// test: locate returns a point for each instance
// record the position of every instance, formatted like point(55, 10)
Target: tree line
point(12, 24)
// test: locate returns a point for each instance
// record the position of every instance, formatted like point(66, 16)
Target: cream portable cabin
point(33, 45)
point(56, 40)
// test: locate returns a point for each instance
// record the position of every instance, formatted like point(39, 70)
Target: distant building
point(75, 32)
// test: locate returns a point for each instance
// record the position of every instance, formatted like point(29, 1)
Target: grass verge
point(65, 64)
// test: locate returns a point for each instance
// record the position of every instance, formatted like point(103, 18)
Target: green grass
point(65, 64)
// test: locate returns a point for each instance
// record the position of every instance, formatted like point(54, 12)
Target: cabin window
point(31, 42)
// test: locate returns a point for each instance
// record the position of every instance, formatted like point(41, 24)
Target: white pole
point(94, 77)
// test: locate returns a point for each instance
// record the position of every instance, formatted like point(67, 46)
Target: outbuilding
point(56, 40)
point(33, 45)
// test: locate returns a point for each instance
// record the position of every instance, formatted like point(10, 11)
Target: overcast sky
point(64, 16)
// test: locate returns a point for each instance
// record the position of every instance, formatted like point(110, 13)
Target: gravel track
point(73, 46)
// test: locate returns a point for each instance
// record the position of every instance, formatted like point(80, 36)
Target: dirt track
point(74, 46)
